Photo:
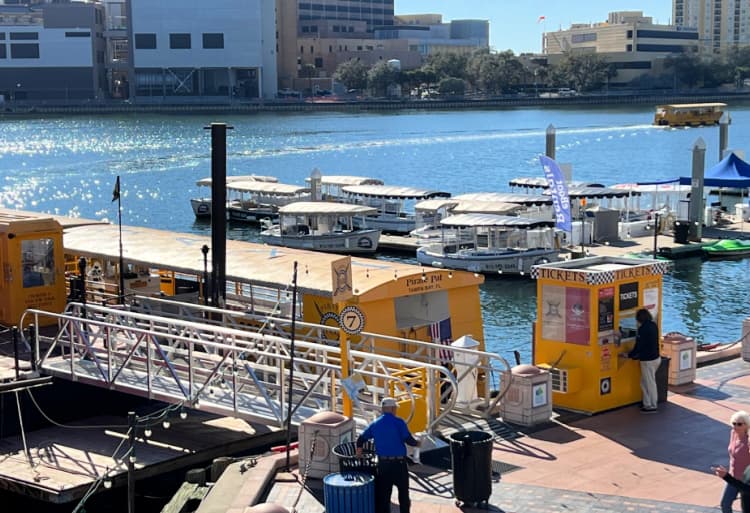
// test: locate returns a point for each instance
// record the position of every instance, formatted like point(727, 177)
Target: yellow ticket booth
point(586, 321)
point(32, 265)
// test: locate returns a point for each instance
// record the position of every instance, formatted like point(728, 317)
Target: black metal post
point(218, 212)
point(656, 232)
point(132, 421)
point(15, 351)
point(122, 263)
point(291, 366)
point(204, 250)
point(582, 207)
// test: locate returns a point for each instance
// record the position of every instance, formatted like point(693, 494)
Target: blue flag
point(559, 191)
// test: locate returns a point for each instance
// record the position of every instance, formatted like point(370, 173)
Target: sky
point(515, 25)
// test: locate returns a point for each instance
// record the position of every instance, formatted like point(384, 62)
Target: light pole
point(656, 232)
point(204, 250)
point(582, 208)
point(15, 93)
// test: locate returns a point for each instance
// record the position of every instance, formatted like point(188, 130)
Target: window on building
point(305, 30)
point(629, 35)
point(179, 41)
point(3, 54)
point(78, 34)
point(213, 40)
point(336, 28)
point(313, 28)
point(318, 62)
point(24, 51)
point(301, 49)
point(330, 48)
point(38, 262)
point(145, 41)
point(312, 49)
point(351, 29)
point(2, 36)
point(24, 36)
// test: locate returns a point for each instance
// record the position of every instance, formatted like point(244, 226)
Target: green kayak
point(728, 248)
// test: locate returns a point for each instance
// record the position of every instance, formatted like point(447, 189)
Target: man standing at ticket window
point(391, 435)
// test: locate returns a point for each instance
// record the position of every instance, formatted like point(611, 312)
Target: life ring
point(541, 260)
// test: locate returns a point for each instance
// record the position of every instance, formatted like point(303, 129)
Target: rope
point(307, 470)
point(101, 426)
point(23, 431)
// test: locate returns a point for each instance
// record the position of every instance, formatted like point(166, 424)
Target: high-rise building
point(721, 24)
point(374, 13)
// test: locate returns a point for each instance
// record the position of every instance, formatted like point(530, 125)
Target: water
point(68, 165)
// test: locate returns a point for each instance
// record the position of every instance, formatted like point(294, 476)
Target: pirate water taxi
point(689, 114)
point(251, 201)
point(323, 226)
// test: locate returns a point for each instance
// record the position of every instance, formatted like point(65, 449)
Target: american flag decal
point(440, 332)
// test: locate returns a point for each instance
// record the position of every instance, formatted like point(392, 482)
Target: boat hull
point(509, 261)
point(201, 207)
point(252, 215)
point(388, 224)
point(357, 242)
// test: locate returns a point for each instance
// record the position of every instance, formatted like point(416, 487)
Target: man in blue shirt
point(390, 434)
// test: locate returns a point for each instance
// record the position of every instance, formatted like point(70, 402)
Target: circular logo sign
point(352, 320)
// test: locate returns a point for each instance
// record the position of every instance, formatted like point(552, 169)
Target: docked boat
point(728, 248)
point(498, 244)
point(201, 204)
point(394, 204)
point(431, 212)
point(322, 226)
point(331, 186)
point(689, 114)
point(251, 201)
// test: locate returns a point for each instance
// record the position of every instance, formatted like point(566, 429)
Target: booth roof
point(732, 171)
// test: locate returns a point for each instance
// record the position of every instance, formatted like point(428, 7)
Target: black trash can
point(681, 231)
point(471, 461)
point(662, 379)
point(350, 462)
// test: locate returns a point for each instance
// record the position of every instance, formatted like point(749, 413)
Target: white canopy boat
point(202, 204)
point(497, 244)
point(331, 186)
point(251, 201)
point(322, 226)
point(438, 209)
point(394, 204)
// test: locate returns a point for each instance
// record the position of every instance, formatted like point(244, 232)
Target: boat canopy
point(503, 197)
point(309, 208)
point(247, 262)
point(342, 180)
point(486, 207)
point(394, 192)
point(645, 188)
point(206, 182)
point(280, 189)
point(600, 192)
point(494, 220)
point(541, 183)
point(433, 205)
point(688, 106)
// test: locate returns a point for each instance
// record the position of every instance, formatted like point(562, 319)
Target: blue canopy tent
point(730, 172)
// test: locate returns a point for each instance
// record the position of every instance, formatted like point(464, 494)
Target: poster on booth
point(565, 314)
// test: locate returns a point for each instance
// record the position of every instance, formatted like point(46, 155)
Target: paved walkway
point(619, 461)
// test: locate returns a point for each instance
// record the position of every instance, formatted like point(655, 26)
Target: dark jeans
point(392, 472)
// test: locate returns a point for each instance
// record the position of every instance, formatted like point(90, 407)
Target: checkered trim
point(600, 278)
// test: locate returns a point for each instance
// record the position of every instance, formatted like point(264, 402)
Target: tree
point(586, 72)
point(452, 86)
point(448, 64)
point(308, 71)
point(495, 72)
point(380, 77)
point(352, 73)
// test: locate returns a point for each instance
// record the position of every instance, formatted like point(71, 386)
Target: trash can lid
point(348, 479)
point(526, 370)
point(267, 507)
point(326, 417)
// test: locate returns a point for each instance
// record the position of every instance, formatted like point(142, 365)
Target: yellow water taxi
point(689, 114)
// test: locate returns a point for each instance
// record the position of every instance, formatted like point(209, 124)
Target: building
point(52, 52)
point(373, 13)
point(631, 42)
point(720, 24)
point(188, 49)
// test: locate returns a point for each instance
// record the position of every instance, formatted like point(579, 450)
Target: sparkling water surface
point(68, 165)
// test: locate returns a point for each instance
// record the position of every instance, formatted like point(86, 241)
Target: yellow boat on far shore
point(689, 114)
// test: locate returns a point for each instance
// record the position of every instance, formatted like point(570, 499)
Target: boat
point(431, 212)
point(322, 226)
point(331, 185)
point(689, 114)
point(201, 205)
point(394, 204)
point(499, 244)
point(728, 248)
point(251, 201)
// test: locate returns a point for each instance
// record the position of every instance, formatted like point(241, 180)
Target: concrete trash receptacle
point(682, 352)
point(746, 339)
point(328, 429)
point(528, 401)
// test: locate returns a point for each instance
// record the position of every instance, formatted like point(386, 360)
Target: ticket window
point(37, 262)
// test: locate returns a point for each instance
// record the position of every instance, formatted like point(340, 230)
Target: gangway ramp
point(224, 370)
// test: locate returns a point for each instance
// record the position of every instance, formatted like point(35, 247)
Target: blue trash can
point(352, 492)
